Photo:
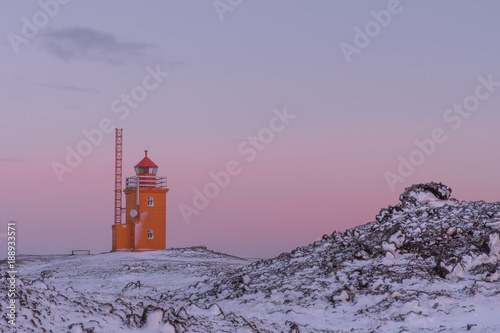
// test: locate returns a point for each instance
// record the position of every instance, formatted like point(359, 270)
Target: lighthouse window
point(150, 234)
point(151, 202)
point(139, 170)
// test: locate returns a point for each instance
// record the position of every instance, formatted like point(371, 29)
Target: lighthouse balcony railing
point(146, 181)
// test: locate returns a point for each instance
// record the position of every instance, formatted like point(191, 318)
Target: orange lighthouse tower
point(145, 223)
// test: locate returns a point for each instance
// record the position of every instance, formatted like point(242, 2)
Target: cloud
point(98, 46)
point(70, 87)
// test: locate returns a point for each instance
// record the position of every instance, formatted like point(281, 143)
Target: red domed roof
point(146, 162)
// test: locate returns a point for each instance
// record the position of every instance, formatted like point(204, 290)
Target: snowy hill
point(429, 264)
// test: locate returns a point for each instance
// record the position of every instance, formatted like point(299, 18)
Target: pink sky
point(324, 172)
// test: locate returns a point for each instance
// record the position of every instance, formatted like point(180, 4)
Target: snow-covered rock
point(428, 264)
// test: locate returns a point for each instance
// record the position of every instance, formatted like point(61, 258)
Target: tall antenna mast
point(118, 174)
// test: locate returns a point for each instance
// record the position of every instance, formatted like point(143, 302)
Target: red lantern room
point(146, 171)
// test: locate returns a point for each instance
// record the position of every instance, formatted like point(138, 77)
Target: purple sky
point(325, 171)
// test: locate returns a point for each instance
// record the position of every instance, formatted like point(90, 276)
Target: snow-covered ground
point(429, 264)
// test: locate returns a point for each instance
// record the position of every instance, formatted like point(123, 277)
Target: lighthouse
point(145, 211)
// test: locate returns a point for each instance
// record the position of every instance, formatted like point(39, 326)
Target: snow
point(451, 231)
point(420, 267)
point(389, 247)
point(495, 245)
point(397, 239)
point(426, 198)
point(246, 279)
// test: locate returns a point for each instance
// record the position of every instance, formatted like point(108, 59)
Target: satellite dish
point(133, 213)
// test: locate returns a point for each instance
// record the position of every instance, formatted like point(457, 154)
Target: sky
point(328, 110)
